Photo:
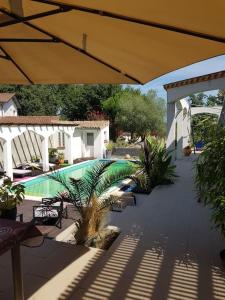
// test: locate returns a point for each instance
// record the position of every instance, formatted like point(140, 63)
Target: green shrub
point(210, 176)
point(155, 165)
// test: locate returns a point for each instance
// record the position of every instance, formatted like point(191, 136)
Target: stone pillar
point(44, 151)
point(69, 149)
point(186, 128)
point(171, 127)
point(7, 158)
point(179, 121)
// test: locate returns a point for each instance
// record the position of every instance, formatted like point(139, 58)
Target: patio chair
point(50, 212)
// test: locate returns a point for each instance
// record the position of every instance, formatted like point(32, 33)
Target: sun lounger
point(21, 172)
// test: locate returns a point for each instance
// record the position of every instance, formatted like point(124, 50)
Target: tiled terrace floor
point(167, 250)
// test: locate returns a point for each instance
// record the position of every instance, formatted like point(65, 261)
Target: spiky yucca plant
point(155, 165)
point(85, 194)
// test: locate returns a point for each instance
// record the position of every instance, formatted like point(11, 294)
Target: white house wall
point(77, 144)
point(9, 109)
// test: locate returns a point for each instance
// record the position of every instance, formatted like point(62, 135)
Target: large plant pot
point(9, 213)
point(187, 151)
point(108, 153)
point(52, 159)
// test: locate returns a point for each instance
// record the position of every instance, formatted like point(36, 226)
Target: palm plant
point(88, 196)
point(155, 165)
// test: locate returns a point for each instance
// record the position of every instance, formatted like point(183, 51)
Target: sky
point(205, 67)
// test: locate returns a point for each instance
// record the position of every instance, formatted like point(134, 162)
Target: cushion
point(45, 212)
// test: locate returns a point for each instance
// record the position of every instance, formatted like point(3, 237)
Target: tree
point(201, 126)
point(197, 99)
point(69, 101)
point(111, 108)
point(221, 96)
point(36, 99)
point(139, 114)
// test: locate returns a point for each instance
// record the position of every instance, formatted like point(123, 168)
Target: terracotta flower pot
point(187, 151)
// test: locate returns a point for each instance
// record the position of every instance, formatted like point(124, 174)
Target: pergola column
point(186, 129)
point(179, 121)
point(171, 127)
point(7, 158)
point(45, 156)
point(70, 149)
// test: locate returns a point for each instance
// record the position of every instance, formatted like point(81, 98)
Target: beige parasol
point(105, 41)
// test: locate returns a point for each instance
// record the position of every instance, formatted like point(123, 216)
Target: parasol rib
point(76, 48)
point(136, 21)
point(22, 40)
point(15, 64)
point(4, 57)
point(33, 17)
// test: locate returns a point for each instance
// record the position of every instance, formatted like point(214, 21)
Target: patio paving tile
point(167, 250)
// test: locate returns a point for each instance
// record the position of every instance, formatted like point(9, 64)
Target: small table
point(12, 235)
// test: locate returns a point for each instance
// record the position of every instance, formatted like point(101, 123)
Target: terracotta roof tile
point(50, 120)
point(207, 77)
point(5, 97)
point(34, 120)
point(92, 124)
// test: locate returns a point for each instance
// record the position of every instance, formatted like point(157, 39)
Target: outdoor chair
point(50, 212)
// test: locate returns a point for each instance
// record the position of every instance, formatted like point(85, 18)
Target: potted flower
point(35, 159)
point(10, 196)
point(187, 150)
point(52, 152)
point(109, 148)
point(61, 158)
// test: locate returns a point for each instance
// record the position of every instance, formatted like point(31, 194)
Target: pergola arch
point(214, 110)
point(25, 146)
point(178, 116)
point(181, 89)
point(9, 132)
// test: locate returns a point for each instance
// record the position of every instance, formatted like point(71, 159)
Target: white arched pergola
point(179, 111)
point(9, 132)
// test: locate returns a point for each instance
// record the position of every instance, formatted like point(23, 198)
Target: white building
point(22, 137)
point(179, 111)
point(8, 105)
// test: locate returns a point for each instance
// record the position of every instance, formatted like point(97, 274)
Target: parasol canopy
point(105, 41)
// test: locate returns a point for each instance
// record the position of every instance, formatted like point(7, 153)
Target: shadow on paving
point(40, 266)
point(132, 271)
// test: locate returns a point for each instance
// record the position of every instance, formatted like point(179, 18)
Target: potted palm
point(60, 157)
point(87, 194)
point(10, 196)
point(187, 150)
point(52, 152)
point(109, 148)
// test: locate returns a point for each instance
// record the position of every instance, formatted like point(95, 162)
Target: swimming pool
point(43, 186)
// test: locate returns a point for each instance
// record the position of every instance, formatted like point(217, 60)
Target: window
point(90, 139)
